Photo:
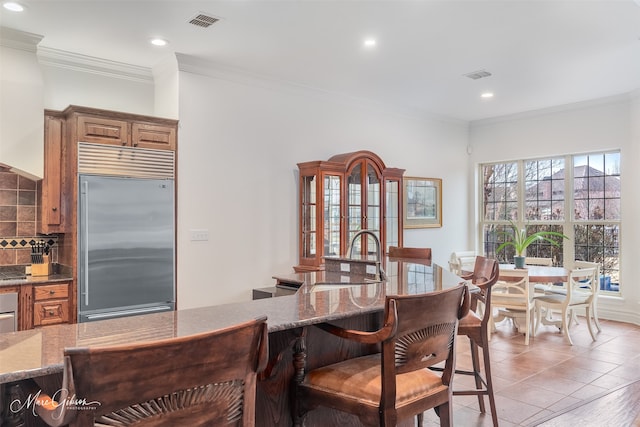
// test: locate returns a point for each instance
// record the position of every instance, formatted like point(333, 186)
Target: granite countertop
point(15, 276)
point(37, 352)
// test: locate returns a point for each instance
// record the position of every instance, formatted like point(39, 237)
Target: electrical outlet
point(199, 235)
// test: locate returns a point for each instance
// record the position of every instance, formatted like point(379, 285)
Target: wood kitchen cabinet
point(93, 126)
point(46, 303)
point(50, 195)
point(341, 196)
point(51, 304)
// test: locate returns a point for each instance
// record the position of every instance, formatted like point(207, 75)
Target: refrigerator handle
point(85, 237)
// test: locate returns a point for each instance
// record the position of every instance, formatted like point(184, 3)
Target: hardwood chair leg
point(420, 419)
point(476, 373)
point(446, 414)
point(489, 381)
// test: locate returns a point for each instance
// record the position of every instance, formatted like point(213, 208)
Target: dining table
point(542, 273)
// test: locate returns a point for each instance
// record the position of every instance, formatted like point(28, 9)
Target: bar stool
point(476, 325)
point(203, 379)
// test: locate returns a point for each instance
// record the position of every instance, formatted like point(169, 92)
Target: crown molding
point(89, 64)
point(609, 100)
point(19, 39)
point(196, 65)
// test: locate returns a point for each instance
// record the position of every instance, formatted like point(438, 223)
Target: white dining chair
point(512, 296)
point(581, 292)
point(577, 264)
point(462, 261)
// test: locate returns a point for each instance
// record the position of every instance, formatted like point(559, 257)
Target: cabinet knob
point(52, 292)
point(135, 144)
point(124, 142)
point(50, 313)
point(54, 209)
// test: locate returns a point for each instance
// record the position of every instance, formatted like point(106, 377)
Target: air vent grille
point(203, 20)
point(114, 160)
point(478, 74)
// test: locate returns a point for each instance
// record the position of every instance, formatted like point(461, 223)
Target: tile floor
point(548, 376)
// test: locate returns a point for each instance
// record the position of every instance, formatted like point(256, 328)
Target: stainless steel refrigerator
point(126, 242)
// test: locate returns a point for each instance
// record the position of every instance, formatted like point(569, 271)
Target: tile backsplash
point(18, 210)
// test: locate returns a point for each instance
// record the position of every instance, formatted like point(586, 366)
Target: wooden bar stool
point(204, 379)
point(476, 326)
point(382, 388)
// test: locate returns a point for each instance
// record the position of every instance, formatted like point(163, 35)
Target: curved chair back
point(198, 380)
point(462, 261)
point(409, 253)
point(485, 274)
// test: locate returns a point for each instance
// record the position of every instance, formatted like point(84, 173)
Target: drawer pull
point(50, 313)
point(52, 292)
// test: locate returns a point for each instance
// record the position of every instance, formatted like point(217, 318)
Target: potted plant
point(519, 239)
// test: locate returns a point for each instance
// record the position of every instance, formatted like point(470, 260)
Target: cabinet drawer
point(47, 292)
point(50, 312)
point(103, 131)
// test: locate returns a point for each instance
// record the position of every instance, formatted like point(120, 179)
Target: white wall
point(71, 79)
point(21, 105)
point(240, 141)
point(596, 126)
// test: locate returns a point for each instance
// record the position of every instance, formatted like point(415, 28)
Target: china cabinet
point(341, 196)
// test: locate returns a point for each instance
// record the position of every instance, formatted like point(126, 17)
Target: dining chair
point(475, 326)
point(409, 253)
point(594, 309)
point(462, 261)
point(512, 295)
point(580, 292)
point(198, 380)
point(419, 331)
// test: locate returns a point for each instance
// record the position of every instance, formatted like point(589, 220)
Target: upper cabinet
point(95, 126)
point(341, 196)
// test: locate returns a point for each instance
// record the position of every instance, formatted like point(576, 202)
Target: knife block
point(43, 269)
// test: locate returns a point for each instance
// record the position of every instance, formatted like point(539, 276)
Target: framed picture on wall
point(422, 202)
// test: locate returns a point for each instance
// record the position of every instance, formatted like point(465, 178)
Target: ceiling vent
point(203, 20)
point(477, 74)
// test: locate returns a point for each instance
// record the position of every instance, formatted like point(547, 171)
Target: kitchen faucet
point(381, 274)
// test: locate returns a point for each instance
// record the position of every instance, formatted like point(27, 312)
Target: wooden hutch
point(343, 195)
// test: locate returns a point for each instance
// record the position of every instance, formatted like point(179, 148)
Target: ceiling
point(541, 53)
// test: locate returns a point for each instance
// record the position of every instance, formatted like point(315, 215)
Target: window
point(581, 201)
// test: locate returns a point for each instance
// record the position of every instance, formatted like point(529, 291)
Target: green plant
point(519, 239)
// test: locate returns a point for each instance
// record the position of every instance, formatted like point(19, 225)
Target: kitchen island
point(38, 353)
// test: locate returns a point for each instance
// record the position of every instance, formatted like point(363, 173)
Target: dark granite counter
point(15, 276)
point(38, 352)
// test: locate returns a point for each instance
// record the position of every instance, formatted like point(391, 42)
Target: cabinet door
point(332, 215)
point(364, 211)
point(50, 220)
point(103, 131)
point(144, 135)
point(392, 214)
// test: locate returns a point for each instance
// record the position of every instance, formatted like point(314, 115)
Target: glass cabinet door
point(332, 218)
point(364, 210)
point(308, 217)
point(392, 214)
point(354, 200)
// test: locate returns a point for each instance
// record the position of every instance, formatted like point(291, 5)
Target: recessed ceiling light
point(487, 95)
point(13, 6)
point(159, 42)
point(369, 42)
